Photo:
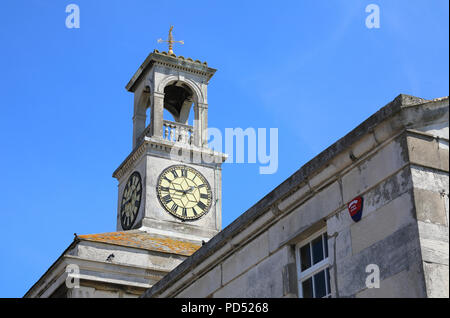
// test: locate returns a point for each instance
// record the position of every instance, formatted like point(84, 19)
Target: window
point(313, 267)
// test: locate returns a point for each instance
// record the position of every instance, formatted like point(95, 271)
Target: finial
point(170, 40)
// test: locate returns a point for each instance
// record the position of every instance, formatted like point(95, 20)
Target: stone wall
point(387, 235)
point(431, 190)
point(399, 165)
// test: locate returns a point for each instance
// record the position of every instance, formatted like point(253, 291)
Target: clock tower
point(170, 183)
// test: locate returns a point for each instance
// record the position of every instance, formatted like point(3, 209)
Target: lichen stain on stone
point(144, 241)
point(389, 189)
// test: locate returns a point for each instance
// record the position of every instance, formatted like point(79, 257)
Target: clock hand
point(183, 191)
point(177, 195)
point(190, 189)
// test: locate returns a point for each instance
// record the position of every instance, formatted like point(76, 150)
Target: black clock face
point(131, 201)
point(184, 192)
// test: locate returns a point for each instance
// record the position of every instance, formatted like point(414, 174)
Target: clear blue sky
point(309, 68)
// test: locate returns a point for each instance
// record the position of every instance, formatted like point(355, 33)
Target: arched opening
point(148, 114)
point(191, 116)
point(141, 116)
point(168, 115)
point(178, 101)
point(178, 112)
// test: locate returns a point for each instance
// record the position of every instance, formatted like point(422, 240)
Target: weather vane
point(170, 40)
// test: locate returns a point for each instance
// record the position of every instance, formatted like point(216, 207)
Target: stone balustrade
point(178, 132)
point(172, 131)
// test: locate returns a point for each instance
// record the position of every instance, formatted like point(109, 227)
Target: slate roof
point(143, 240)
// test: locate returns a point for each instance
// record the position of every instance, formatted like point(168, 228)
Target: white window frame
point(314, 269)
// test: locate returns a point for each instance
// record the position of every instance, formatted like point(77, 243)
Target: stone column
point(157, 114)
point(201, 125)
point(138, 127)
point(139, 116)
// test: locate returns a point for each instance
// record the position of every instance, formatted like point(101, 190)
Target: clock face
point(184, 192)
point(131, 201)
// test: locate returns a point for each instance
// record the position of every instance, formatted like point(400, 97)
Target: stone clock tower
point(169, 192)
point(170, 184)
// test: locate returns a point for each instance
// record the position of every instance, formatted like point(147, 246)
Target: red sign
point(355, 208)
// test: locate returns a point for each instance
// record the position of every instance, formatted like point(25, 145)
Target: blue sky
point(310, 68)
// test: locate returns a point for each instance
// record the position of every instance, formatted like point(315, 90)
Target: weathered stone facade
point(154, 145)
point(117, 264)
point(397, 160)
point(127, 262)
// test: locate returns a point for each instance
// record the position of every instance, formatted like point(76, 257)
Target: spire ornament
point(171, 41)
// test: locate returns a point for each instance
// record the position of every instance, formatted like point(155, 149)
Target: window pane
point(305, 257)
point(325, 243)
point(317, 249)
point(328, 281)
point(307, 288)
point(319, 285)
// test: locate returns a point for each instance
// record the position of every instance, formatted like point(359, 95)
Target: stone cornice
point(114, 269)
point(49, 281)
point(50, 271)
point(129, 161)
point(172, 61)
point(165, 147)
